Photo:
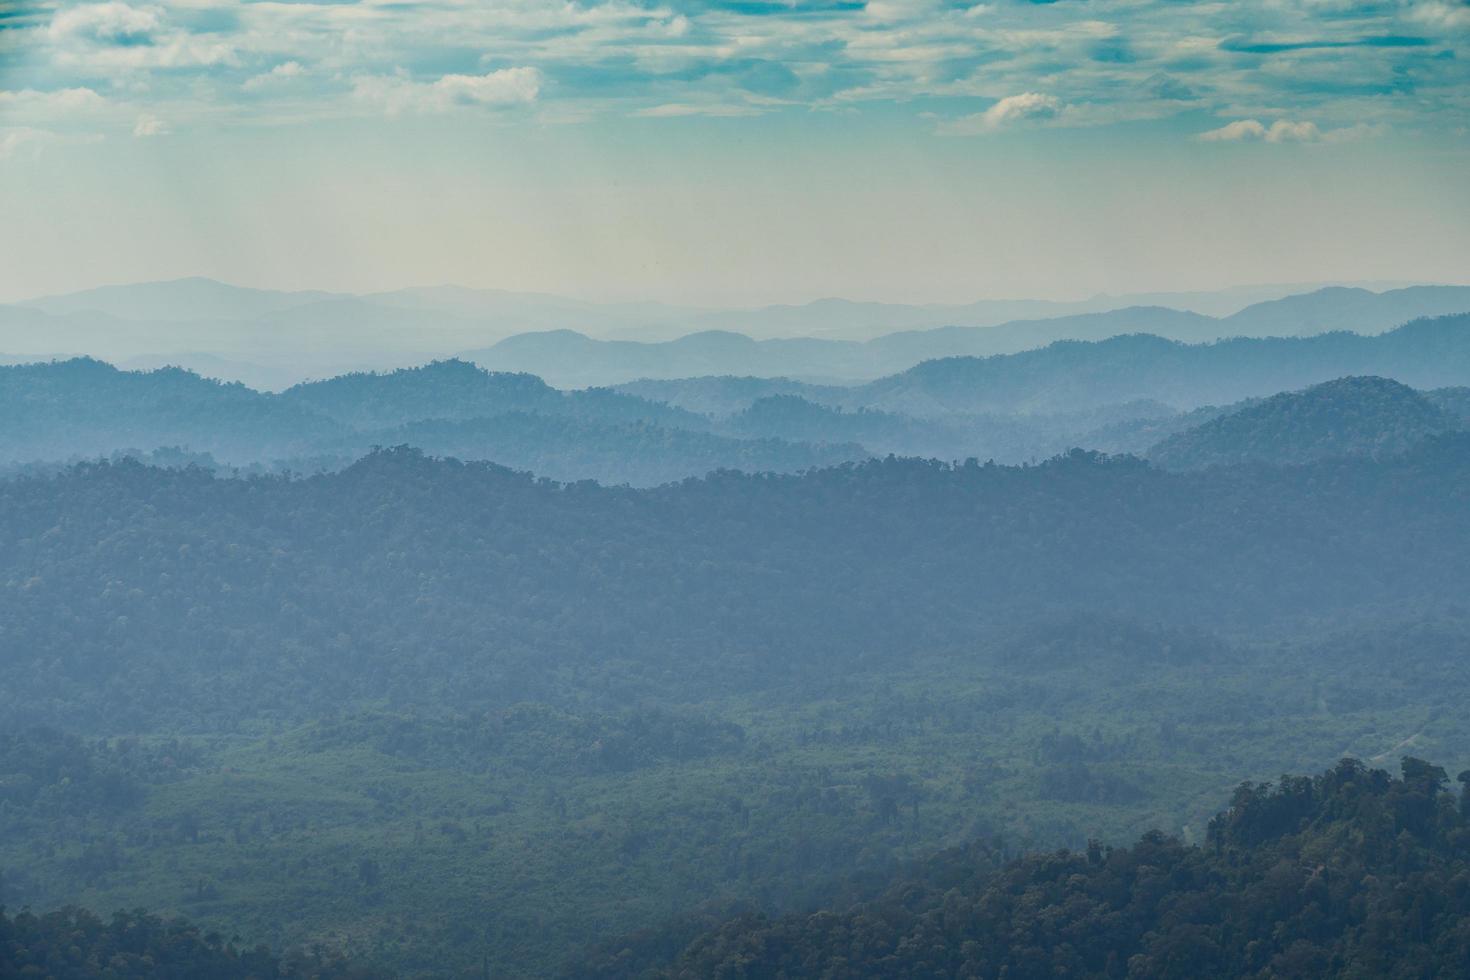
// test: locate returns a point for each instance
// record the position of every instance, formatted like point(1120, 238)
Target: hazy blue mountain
point(569, 359)
point(520, 311)
point(324, 337)
point(1363, 416)
point(570, 448)
point(1009, 338)
point(852, 320)
point(85, 408)
point(28, 334)
point(1003, 438)
point(455, 389)
point(178, 299)
point(723, 395)
point(261, 377)
point(273, 338)
point(1071, 375)
point(1345, 308)
point(1138, 434)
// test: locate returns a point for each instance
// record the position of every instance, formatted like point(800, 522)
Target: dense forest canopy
point(410, 577)
point(74, 944)
point(1347, 874)
point(782, 701)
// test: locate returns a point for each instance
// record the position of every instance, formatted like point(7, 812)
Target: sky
point(735, 153)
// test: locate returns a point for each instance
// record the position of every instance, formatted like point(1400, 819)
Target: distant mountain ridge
point(1070, 376)
point(1126, 394)
point(276, 338)
point(193, 298)
point(569, 359)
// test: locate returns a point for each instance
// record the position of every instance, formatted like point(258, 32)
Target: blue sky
point(732, 152)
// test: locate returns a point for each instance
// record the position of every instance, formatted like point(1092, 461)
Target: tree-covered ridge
point(567, 448)
point(458, 390)
point(84, 407)
point(74, 944)
point(1455, 401)
point(171, 593)
point(1347, 417)
point(1348, 874)
point(1004, 438)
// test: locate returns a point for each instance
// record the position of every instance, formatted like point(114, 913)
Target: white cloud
point(113, 37)
point(1236, 132)
point(111, 23)
point(178, 52)
point(150, 125)
point(1284, 130)
point(13, 140)
point(1357, 131)
point(1288, 131)
point(1011, 109)
point(1241, 129)
point(58, 101)
point(281, 73)
point(1443, 16)
point(671, 110)
point(399, 93)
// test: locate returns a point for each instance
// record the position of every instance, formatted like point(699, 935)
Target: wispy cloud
point(671, 110)
point(57, 102)
point(1286, 131)
point(29, 141)
point(399, 93)
point(1007, 111)
point(281, 74)
point(150, 125)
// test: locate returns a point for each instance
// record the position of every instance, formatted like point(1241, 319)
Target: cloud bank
point(1284, 71)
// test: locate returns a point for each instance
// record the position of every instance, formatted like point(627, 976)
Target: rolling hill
point(1347, 417)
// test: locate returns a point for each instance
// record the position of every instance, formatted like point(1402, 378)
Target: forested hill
point(79, 409)
point(1349, 874)
point(84, 407)
point(157, 593)
point(458, 390)
point(1350, 416)
point(74, 944)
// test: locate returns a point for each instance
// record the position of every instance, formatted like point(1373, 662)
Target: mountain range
point(1183, 405)
point(273, 339)
point(1071, 376)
